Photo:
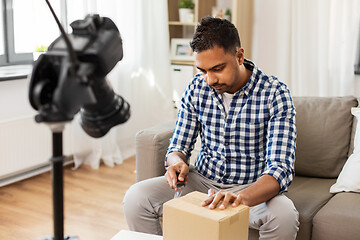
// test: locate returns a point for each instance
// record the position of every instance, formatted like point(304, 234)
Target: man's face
point(221, 70)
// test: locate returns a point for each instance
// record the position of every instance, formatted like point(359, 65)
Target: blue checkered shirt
point(256, 137)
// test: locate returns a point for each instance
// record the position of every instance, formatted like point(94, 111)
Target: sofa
point(325, 140)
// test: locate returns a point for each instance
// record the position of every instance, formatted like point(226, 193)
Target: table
point(130, 235)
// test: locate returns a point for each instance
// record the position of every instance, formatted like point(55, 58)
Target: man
point(246, 122)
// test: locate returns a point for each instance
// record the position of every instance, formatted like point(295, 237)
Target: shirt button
point(226, 144)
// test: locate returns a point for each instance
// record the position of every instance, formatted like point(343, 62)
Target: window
point(2, 36)
point(26, 25)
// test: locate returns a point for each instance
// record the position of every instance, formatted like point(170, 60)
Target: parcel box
point(185, 218)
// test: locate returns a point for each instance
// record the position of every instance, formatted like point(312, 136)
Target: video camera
point(70, 77)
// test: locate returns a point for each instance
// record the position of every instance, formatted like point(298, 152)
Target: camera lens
point(110, 110)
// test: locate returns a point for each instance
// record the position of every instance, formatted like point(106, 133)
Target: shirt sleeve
point(281, 139)
point(187, 126)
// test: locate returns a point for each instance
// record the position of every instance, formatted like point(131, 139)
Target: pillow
point(349, 177)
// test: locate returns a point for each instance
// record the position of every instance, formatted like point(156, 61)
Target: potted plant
point(38, 51)
point(227, 15)
point(186, 11)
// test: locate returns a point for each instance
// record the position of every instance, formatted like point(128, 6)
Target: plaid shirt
point(256, 137)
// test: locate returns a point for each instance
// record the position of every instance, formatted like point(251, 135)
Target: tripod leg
point(57, 174)
point(57, 185)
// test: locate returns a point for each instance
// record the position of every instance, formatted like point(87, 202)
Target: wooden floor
point(93, 203)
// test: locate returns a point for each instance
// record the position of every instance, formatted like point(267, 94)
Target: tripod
point(57, 161)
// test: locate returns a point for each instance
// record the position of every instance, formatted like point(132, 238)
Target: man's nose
point(211, 78)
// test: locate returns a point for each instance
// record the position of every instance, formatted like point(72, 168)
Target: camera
point(70, 77)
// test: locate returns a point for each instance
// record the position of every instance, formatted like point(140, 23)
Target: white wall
point(24, 144)
point(14, 101)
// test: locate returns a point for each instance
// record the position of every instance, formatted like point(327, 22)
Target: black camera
point(70, 77)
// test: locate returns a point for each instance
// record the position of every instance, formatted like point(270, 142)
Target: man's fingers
point(207, 201)
point(171, 178)
point(174, 179)
point(178, 172)
point(211, 192)
point(237, 201)
point(218, 197)
point(223, 197)
point(228, 197)
point(183, 174)
point(168, 179)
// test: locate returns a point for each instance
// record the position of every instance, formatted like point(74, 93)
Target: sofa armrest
point(151, 146)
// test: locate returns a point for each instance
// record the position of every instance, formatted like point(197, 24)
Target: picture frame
point(181, 50)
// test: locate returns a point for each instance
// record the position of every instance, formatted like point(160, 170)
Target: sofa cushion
point(324, 127)
point(151, 145)
point(308, 196)
point(339, 218)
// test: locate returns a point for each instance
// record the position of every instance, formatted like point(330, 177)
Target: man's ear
point(240, 56)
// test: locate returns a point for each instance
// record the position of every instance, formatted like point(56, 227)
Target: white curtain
point(309, 44)
point(142, 77)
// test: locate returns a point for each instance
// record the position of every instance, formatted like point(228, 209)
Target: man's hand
point(265, 188)
point(222, 196)
point(177, 171)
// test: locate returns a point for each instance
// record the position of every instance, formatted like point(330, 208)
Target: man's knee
point(142, 206)
point(132, 200)
point(283, 207)
point(287, 219)
point(284, 218)
point(145, 195)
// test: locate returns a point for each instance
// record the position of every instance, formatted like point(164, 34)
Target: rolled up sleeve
point(187, 126)
point(281, 139)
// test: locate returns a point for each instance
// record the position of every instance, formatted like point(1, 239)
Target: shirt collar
point(251, 83)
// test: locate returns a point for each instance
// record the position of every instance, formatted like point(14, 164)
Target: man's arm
point(183, 139)
point(265, 188)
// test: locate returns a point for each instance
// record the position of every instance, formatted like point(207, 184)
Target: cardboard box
point(185, 218)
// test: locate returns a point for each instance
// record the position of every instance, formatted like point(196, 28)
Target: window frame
point(10, 57)
point(13, 57)
point(3, 56)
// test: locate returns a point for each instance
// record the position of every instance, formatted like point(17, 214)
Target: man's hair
point(212, 32)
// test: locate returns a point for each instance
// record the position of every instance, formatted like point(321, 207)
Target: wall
point(14, 99)
point(25, 146)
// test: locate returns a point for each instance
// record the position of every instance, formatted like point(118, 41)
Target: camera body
point(64, 82)
point(95, 40)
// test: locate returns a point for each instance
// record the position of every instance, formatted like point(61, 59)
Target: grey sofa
point(325, 133)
